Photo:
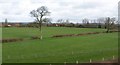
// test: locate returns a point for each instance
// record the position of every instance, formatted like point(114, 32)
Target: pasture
point(58, 50)
point(0, 53)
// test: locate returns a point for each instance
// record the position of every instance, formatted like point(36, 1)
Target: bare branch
point(34, 13)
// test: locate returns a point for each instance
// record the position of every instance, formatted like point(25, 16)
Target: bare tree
point(113, 20)
point(85, 21)
point(39, 14)
point(67, 21)
point(100, 21)
point(110, 23)
point(47, 21)
point(60, 20)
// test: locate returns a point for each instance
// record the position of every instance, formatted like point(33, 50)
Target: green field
point(47, 31)
point(0, 46)
point(58, 50)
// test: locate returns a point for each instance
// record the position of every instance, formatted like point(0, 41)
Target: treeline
point(104, 22)
point(86, 23)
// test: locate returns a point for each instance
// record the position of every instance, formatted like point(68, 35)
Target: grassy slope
point(60, 49)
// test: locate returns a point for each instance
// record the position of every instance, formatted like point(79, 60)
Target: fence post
point(103, 59)
point(65, 63)
point(77, 62)
point(90, 60)
point(113, 57)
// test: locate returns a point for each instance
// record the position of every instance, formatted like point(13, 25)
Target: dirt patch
point(35, 37)
point(67, 35)
point(17, 39)
point(82, 34)
point(11, 40)
point(70, 35)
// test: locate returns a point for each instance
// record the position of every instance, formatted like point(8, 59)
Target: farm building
point(11, 24)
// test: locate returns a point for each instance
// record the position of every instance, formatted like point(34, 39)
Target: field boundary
point(11, 40)
point(54, 36)
point(82, 34)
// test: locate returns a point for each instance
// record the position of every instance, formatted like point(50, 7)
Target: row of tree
point(99, 20)
point(43, 11)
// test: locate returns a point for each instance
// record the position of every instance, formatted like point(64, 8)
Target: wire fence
point(90, 60)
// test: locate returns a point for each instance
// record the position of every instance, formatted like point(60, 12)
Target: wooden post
point(103, 59)
point(113, 57)
point(90, 60)
point(77, 62)
point(65, 63)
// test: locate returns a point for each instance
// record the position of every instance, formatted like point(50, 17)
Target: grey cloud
point(11, 13)
point(18, 10)
point(37, 1)
point(88, 5)
point(9, 1)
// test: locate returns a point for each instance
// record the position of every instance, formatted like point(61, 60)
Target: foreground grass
point(0, 46)
point(60, 50)
point(0, 52)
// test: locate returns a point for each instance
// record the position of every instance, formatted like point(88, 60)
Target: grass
point(0, 53)
point(0, 46)
point(47, 31)
point(59, 50)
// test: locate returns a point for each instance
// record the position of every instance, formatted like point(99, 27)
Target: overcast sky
point(74, 10)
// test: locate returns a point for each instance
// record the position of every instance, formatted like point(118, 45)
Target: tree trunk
point(108, 25)
point(40, 24)
point(40, 30)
